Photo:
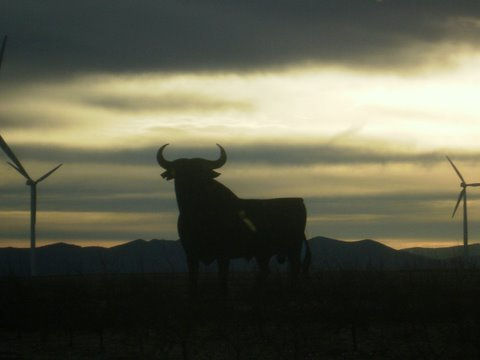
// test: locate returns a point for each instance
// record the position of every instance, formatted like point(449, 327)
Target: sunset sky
point(351, 105)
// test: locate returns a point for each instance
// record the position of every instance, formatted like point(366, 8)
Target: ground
point(331, 315)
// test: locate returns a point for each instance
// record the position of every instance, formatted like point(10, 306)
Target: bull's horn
point(161, 160)
point(215, 164)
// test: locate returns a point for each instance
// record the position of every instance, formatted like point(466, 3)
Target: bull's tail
point(307, 260)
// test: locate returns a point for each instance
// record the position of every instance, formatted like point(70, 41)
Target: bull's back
point(283, 215)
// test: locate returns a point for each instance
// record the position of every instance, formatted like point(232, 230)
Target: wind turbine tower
point(463, 195)
point(30, 182)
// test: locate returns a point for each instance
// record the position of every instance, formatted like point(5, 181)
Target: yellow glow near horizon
point(74, 223)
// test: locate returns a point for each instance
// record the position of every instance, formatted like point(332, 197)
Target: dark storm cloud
point(75, 196)
point(26, 121)
point(58, 37)
point(255, 154)
point(97, 198)
point(166, 103)
point(328, 154)
point(413, 216)
point(389, 204)
point(393, 205)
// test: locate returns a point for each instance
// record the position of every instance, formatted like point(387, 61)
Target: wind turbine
point(463, 195)
point(33, 196)
point(30, 182)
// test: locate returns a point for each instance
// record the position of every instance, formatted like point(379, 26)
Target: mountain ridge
point(444, 253)
point(161, 255)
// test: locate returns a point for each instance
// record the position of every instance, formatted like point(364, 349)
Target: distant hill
point(363, 254)
point(444, 253)
point(66, 259)
point(167, 256)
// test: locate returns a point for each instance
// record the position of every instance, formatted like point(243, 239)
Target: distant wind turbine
point(463, 195)
point(30, 182)
point(33, 196)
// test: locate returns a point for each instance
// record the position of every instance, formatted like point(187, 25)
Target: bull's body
point(214, 224)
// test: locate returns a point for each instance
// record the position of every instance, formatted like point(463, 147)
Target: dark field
point(332, 315)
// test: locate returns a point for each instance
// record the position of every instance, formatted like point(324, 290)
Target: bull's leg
point(223, 267)
point(307, 260)
point(193, 265)
point(295, 264)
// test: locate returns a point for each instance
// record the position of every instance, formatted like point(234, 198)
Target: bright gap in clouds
point(427, 111)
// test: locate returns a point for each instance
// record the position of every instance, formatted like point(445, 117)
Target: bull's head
point(190, 168)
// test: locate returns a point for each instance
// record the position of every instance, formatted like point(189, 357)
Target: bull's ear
point(169, 174)
point(214, 174)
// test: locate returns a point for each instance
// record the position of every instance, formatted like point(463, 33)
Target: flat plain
point(427, 314)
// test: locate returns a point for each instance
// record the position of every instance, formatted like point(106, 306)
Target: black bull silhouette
point(215, 224)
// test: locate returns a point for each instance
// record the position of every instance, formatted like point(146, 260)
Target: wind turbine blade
point(4, 43)
point(20, 171)
point(474, 184)
point(462, 194)
point(456, 170)
point(48, 174)
point(12, 157)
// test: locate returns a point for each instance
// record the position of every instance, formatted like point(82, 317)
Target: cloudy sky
point(349, 104)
